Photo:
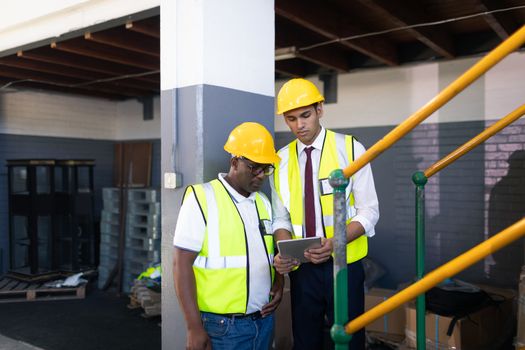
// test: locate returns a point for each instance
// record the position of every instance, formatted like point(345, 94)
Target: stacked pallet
point(147, 299)
point(142, 233)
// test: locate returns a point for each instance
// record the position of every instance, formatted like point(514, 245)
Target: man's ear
point(234, 162)
point(319, 109)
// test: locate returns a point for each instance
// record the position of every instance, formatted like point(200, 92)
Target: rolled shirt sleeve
point(280, 215)
point(189, 231)
point(365, 197)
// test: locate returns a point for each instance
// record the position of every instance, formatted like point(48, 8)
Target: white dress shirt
point(189, 235)
point(366, 206)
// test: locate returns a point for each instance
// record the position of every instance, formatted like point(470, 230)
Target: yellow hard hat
point(297, 93)
point(252, 141)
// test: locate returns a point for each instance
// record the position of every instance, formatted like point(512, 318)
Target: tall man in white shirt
point(223, 258)
point(302, 201)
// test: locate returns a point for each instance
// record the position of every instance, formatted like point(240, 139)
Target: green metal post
point(420, 180)
point(341, 339)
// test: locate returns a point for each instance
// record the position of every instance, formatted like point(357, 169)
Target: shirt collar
point(317, 144)
point(237, 197)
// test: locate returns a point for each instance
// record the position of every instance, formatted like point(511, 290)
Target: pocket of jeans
point(216, 326)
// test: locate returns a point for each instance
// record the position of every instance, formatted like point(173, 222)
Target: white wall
point(387, 96)
point(60, 115)
point(203, 29)
point(130, 124)
point(56, 115)
point(27, 21)
point(505, 86)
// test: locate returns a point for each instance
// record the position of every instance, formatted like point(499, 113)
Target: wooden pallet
point(12, 290)
point(150, 301)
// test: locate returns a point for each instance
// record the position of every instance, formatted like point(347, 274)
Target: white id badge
point(325, 187)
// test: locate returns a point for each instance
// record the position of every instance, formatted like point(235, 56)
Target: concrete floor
point(12, 344)
point(101, 321)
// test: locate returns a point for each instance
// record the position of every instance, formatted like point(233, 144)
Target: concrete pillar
point(217, 70)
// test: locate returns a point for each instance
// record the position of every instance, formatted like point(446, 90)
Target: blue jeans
point(231, 333)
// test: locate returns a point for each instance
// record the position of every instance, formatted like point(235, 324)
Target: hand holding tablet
point(294, 248)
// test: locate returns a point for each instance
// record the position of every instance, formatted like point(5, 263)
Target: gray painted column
point(217, 70)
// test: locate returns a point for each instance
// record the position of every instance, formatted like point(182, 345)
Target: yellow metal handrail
point(475, 141)
point(475, 254)
point(443, 272)
point(511, 44)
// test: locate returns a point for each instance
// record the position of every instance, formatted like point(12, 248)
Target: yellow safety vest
point(221, 268)
point(337, 153)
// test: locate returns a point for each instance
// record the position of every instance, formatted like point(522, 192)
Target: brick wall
point(504, 194)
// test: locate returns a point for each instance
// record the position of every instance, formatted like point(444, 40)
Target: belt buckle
point(255, 315)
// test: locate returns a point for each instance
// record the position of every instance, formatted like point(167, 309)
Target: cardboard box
point(480, 330)
point(393, 322)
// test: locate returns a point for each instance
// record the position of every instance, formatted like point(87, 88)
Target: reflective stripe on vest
point(337, 153)
point(221, 268)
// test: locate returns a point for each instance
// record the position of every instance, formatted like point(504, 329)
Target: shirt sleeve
point(280, 215)
point(189, 231)
point(365, 196)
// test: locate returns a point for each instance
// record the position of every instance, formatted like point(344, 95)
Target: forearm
point(278, 280)
point(354, 230)
point(276, 294)
point(281, 234)
point(186, 290)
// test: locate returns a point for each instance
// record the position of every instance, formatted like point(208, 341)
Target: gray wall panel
point(225, 109)
point(196, 121)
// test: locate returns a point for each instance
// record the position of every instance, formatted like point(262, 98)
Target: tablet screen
point(294, 248)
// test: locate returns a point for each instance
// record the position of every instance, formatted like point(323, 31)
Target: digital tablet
point(294, 248)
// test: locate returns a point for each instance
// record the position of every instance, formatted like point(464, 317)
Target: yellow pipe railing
point(443, 272)
point(468, 146)
point(482, 250)
point(512, 43)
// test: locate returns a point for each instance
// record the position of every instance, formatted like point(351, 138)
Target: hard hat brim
point(301, 105)
point(266, 160)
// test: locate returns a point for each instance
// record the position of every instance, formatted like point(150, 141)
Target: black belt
point(254, 315)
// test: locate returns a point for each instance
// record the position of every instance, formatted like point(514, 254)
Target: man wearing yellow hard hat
point(223, 260)
point(303, 207)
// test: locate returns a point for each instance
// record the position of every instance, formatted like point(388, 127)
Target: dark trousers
point(312, 296)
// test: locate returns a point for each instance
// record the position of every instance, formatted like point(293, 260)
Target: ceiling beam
point(42, 86)
point(123, 40)
point(501, 23)
point(330, 56)
point(54, 80)
point(103, 52)
point(401, 15)
point(18, 62)
point(66, 59)
point(332, 24)
point(144, 27)
point(292, 68)
point(326, 57)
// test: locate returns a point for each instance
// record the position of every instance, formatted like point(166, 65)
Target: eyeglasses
point(256, 170)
